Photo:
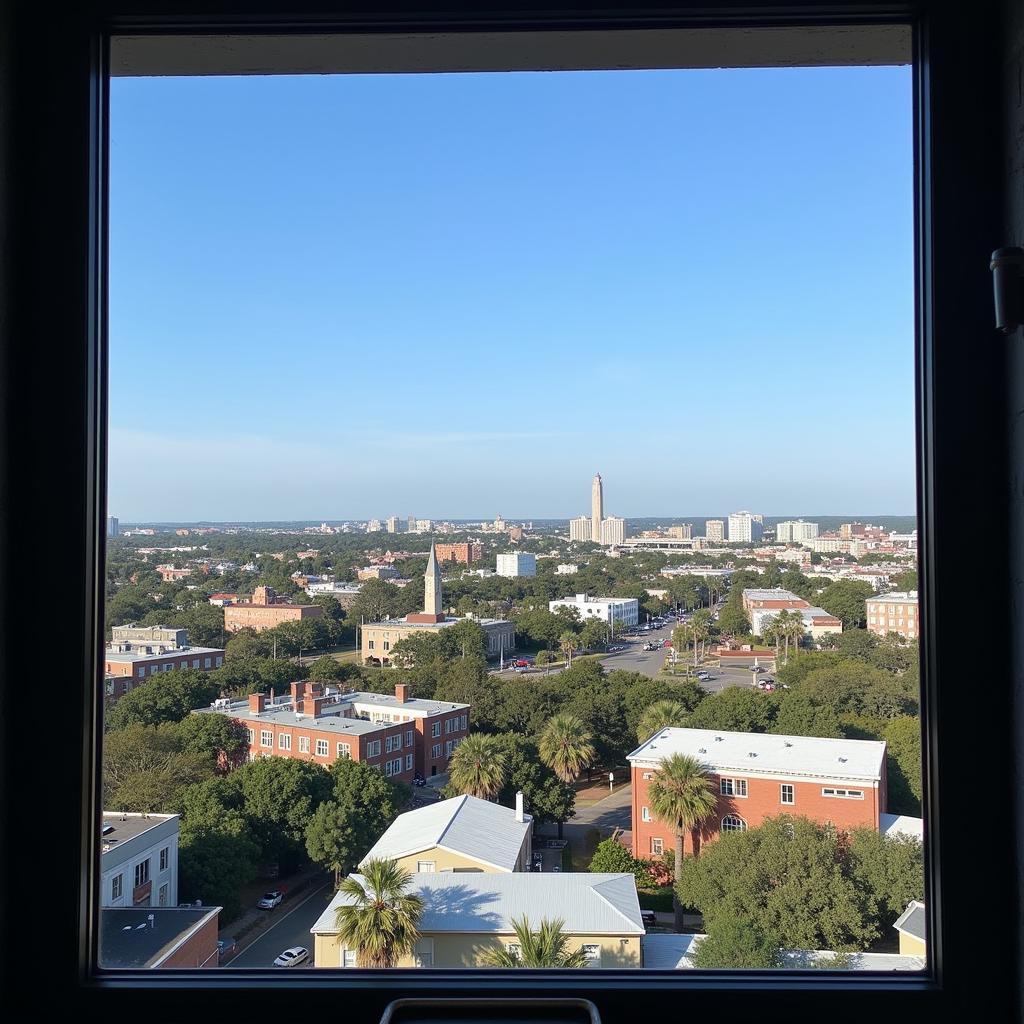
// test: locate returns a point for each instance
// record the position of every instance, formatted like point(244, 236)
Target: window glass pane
point(384, 303)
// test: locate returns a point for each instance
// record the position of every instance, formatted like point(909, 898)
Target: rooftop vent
point(842, 760)
point(107, 829)
point(751, 753)
point(702, 750)
point(787, 744)
point(718, 739)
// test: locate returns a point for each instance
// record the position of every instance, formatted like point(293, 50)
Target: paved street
point(291, 928)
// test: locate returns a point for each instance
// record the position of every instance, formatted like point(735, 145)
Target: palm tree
point(662, 714)
point(568, 642)
point(381, 918)
point(796, 631)
point(547, 947)
point(682, 797)
point(478, 766)
point(565, 747)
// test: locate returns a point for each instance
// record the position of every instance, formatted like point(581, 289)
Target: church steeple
point(432, 585)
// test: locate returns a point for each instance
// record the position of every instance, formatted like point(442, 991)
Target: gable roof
point(465, 825)
point(912, 920)
point(588, 904)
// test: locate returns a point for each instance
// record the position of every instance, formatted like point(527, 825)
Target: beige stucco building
point(463, 834)
point(911, 926)
point(466, 914)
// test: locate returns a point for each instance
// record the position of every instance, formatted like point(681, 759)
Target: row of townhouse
point(403, 736)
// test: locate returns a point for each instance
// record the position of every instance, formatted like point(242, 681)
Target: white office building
point(613, 610)
point(613, 530)
point(139, 860)
point(744, 527)
point(714, 530)
point(517, 563)
point(793, 531)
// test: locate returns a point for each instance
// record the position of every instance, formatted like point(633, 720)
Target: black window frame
point(53, 137)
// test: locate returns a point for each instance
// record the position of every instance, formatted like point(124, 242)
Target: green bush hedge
point(659, 899)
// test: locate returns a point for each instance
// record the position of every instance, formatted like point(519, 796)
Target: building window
point(162, 900)
point(733, 823)
point(593, 955)
point(425, 866)
point(435, 730)
point(447, 725)
point(514, 949)
point(845, 794)
point(645, 814)
point(252, 736)
point(657, 846)
point(345, 751)
point(435, 751)
point(206, 662)
point(448, 748)
point(387, 645)
point(373, 748)
point(321, 748)
point(284, 741)
point(165, 858)
point(408, 738)
point(142, 873)
point(788, 794)
point(116, 887)
point(733, 787)
point(408, 762)
point(648, 776)
point(463, 721)
point(370, 645)
point(348, 958)
point(303, 744)
point(266, 738)
point(195, 663)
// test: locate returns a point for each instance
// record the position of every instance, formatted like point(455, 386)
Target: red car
point(521, 663)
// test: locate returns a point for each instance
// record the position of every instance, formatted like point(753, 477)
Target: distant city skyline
point(443, 294)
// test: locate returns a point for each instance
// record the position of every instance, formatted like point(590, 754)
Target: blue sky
point(458, 295)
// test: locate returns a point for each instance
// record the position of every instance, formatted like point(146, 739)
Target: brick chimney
point(311, 705)
point(257, 702)
point(401, 692)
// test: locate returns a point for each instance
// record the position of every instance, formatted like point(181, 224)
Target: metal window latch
point(1007, 268)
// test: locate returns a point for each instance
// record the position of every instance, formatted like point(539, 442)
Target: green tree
point(478, 766)
point(903, 736)
point(465, 639)
point(663, 714)
point(546, 947)
point(380, 916)
point(547, 797)
point(888, 871)
point(611, 857)
point(681, 796)
point(789, 877)
point(845, 599)
point(223, 740)
point(565, 747)
point(737, 709)
point(799, 715)
point(733, 620)
point(568, 643)
point(733, 941)
point(213, 866)
point(593, 634)
point(166, 697)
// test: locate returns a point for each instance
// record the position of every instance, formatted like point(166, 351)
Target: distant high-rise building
point(410, 524)
point(744, 527)
point(113, 527)
point(794, 531)
point(613, 530)
point(392, 524)
point(579, 528)
point(714, 529)
point(424, 525)
point(373, 526)
point(684, 532)
point(596, 508)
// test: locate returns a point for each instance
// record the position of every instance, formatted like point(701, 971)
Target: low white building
point(517, 563)
point(795, 530)
point(139, 860)
point(566, 569)
point(613, 610)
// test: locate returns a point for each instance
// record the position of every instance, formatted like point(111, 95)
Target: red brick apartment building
point(126, 665)
point(756, 776)
point(401, 735)
point(265, 611)
point(465, 553)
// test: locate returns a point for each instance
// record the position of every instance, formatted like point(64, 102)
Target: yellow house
point(911, 926)
point(461, 834)
point(468, 913)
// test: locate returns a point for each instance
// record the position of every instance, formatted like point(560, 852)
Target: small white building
point(517, 563)
point(139, 860)
point(566, 569)
point(613, 610)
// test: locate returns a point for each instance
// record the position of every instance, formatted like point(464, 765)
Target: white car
point(269, 900)
point(292, 957)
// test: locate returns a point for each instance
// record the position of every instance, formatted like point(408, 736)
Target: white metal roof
point(763, 753)
point(912, 920)
point(465, 825)
point(667, 952)
point(901, 825)
point(588, 904)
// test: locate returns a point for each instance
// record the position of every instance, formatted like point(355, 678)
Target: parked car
point(269, 900)
point(521, 662)
point(418, 780)
point(703, 676)
point(760, 668)
point(293, 957)
point(648, 917)
point(226, 949)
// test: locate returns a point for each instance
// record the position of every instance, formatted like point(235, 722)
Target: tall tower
point(431, 592)
point(596, 509)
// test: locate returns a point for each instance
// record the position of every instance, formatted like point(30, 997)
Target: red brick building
point(265, 611)
point(466, 553)
point(401, 735)
point(126, 665)
point(756, 776)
